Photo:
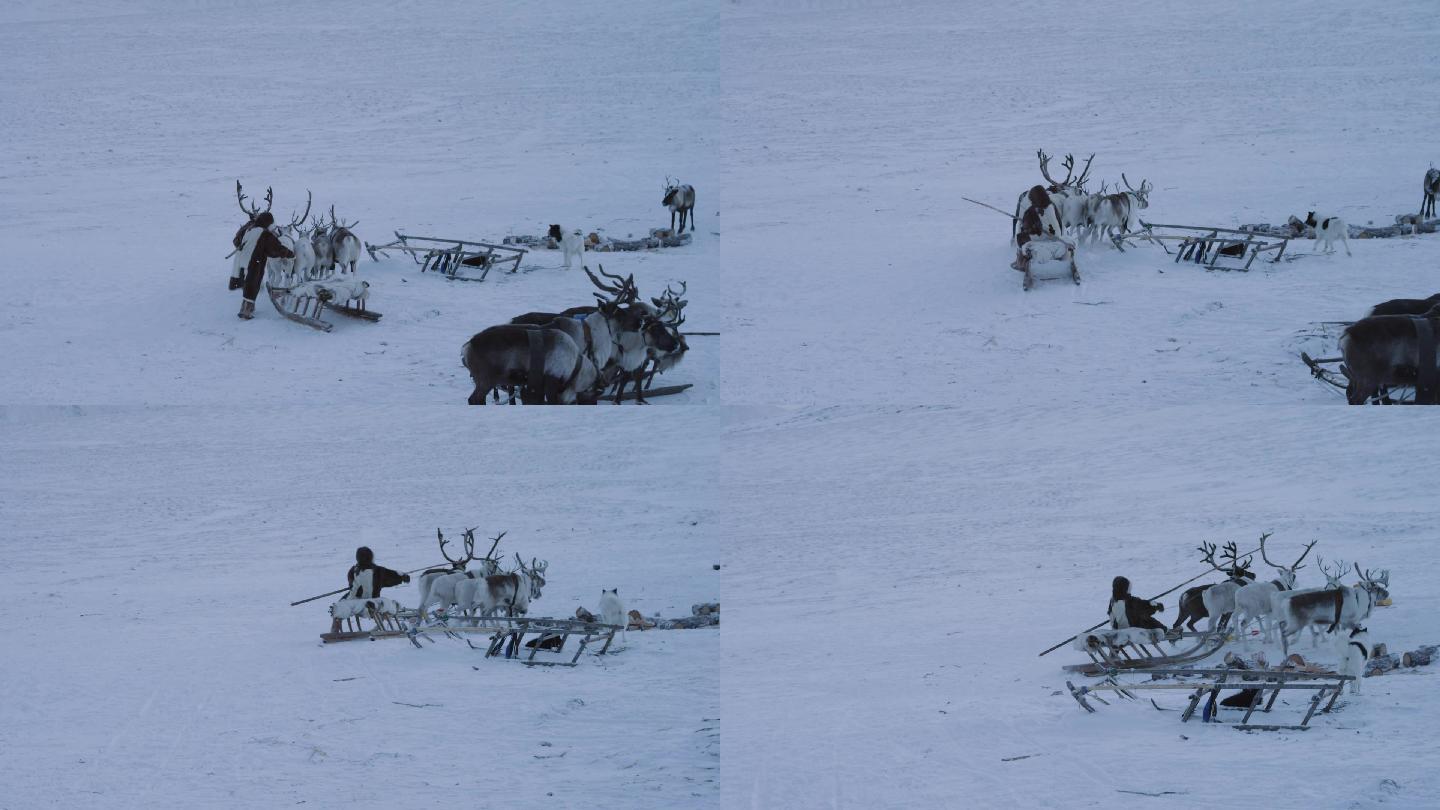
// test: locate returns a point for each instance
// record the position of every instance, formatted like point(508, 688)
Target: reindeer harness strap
point(536, 339)
point(1425, 372)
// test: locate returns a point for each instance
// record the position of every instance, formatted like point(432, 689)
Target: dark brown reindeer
point(1391, 350)
point(680, 199)
point(546, 363)
point(1431, 186)
point(1405, 306)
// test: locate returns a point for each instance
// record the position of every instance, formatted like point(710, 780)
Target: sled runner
point(1135, 648)
point(306, 303)
point(508, 635)
point(453, 258)
point(1250, 685)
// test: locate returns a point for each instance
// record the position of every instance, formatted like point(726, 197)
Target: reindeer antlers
point(334, 223)
point(1292, 567)
point(254, 210)
point(295, 223)
point(469, 539)
point(1229, 552)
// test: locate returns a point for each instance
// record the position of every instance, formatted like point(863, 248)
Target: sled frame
point(447, 256)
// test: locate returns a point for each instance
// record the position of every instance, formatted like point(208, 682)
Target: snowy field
point(845, 159)
point(160, 666)
point(127, 124)
point(918, 562)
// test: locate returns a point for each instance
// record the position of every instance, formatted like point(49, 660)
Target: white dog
point(572, 244)
point(1356, 653)
point(612, 610)
point(1327, 230)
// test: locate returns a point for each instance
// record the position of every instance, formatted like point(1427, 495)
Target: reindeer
point(679, 199)
point(1389, 350)
point(324, 249)
point(513, 591)
point(664, 342)
point(501, 356)
point(467, 587)
point(438, 584)
point(1431, 186)
point(1405, 306)
point(1196, 603)
point(1255, 601)
point(300, 267)
point(1342, 608)
point(1068, 195)
point(344, 245)
point(1111, 211)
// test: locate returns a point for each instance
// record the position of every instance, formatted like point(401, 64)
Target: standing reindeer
point(323, 248)
point(1342, 608)
point(1431, 187)
point(680, 200)
point(1109, 212)
point(295, 269)
point(237, 268)
point(344, 245)
point(437, 585)
point(1068, 195)
point(1391, 350)
point(1255, 601)
point(1198, 602)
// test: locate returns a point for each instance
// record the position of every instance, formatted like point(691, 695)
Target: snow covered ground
point(852, 130)
point(126, 125)
point(903, 571)
point(153, 660)
point(918, 476)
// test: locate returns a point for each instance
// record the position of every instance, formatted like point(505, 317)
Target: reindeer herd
point(575, 355)
point(1334, 610)
point(1087, 217)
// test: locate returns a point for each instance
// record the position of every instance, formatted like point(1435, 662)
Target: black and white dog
point(573, 243)
point(1354, 656)
point(1327, 230)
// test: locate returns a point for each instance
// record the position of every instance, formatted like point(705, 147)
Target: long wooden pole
point(343, 590)
point(1156, 596)
point(991, 207)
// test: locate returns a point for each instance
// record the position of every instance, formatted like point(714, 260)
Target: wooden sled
point(310, 310)
point(456, 259)
point(1046, 258)
point(1325, 687)
point(1208, 246)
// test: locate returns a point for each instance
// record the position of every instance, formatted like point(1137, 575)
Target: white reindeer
point(344, 245)
point(1219, 599)
point(291, 271)
point(437, 586)
point(1255, 601)
point(1342, 608)
point(1111, 212)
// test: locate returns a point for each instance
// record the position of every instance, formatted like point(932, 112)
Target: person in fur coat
point(257, 244)
point(1131, 611)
